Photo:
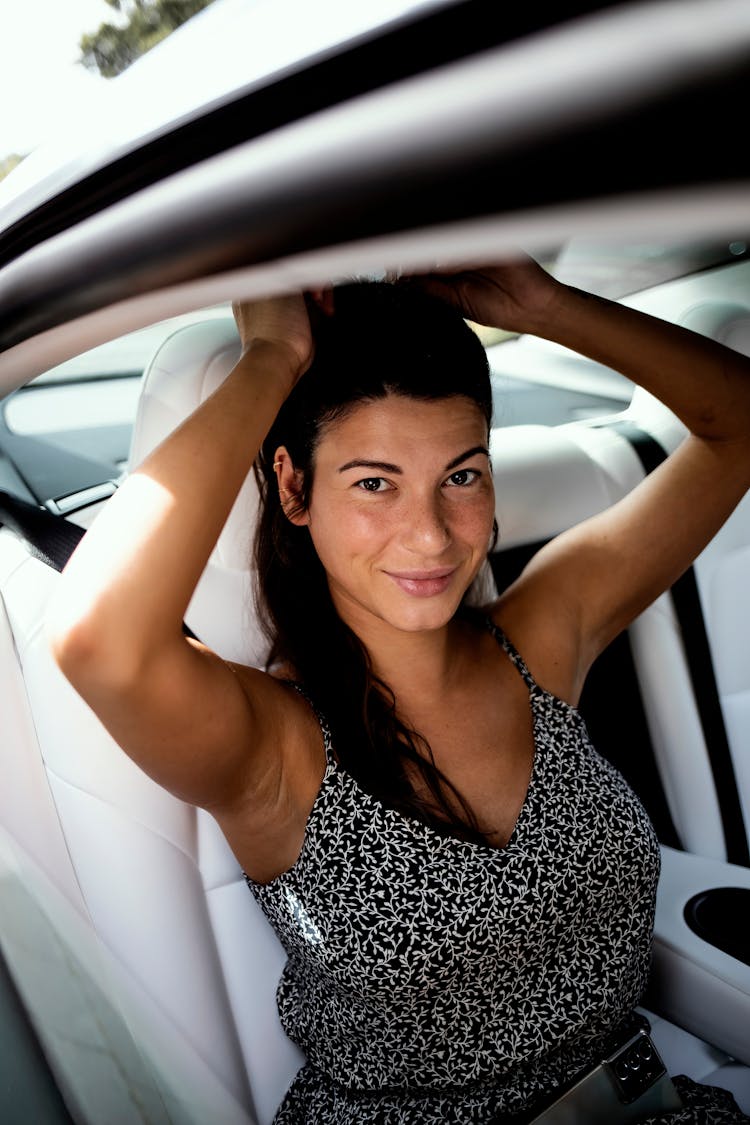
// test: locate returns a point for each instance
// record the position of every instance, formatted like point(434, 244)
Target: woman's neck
point(417, 665)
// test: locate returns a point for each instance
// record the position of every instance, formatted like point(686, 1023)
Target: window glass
point(125, 356)
point(535, 382)
point(65, 436)
point(619, 269)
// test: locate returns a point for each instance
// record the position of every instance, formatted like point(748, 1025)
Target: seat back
point(721, 573)
point(129, 997)
point(549, 479)
point(185, 370)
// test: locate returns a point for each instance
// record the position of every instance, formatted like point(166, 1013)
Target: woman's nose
point(426, 528)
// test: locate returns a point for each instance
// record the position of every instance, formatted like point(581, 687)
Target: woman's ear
point(289, 484)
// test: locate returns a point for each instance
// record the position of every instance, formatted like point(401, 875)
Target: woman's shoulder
point(278, 697)
point(265, 821)
point(544, 636)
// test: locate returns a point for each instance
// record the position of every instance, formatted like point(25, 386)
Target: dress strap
point(512, 653)
point(325, 730)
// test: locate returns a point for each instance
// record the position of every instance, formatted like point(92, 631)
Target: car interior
point(143, 968)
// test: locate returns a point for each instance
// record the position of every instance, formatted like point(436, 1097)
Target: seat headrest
point(721, 320)
point(184, 371)
point(545, 482)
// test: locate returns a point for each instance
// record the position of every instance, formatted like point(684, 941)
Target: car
point(137, 977)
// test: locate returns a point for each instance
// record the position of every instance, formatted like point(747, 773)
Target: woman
point(464, 888)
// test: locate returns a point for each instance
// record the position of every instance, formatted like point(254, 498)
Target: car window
point(65, 436)
point(125, 356)
point(535, 382)
point(618, 269)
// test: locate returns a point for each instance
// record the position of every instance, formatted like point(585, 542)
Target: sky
point(47, 95)
point(40, 80)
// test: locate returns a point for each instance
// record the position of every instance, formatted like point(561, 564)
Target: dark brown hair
point(383, 339)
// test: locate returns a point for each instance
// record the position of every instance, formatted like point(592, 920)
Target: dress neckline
point(334, 767)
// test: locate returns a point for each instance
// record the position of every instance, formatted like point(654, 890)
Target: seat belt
point(689, 612)
point(49, 538)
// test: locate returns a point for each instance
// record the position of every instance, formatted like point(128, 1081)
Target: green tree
point(8, 163)
point(112, 48)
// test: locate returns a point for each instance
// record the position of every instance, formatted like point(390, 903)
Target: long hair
point(383, 339)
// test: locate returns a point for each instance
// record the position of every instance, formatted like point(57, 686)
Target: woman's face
point(401, 510)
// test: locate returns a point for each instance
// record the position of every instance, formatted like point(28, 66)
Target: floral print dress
point(433, 981)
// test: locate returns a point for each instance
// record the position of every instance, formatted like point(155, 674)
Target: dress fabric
point(434, 981)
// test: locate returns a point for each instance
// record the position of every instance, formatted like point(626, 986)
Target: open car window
point(622, 268)
point(65, 436)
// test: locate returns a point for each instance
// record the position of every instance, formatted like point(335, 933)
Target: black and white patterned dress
point(431, 981)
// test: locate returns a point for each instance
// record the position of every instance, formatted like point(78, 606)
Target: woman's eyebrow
point(387, 467)
point(384, 466)
point(465, 456)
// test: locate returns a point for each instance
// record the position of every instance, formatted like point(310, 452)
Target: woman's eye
point(373, 484)
point(462, 477)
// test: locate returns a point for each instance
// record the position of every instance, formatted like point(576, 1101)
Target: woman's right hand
point(281, 321)
point(516, 294)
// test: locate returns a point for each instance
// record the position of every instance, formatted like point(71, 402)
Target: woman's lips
point(423, 583)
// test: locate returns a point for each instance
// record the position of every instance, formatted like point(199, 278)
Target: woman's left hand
point(517, 295)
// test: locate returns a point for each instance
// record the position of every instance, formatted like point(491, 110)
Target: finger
point(442, 287)
point(324, 300)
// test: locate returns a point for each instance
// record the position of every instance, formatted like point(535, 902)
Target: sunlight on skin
point(112, 544)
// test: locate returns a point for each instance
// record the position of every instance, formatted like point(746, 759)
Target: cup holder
point(720, 916)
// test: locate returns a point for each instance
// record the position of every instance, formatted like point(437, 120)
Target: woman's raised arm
point(591, 581)
point(197, 725)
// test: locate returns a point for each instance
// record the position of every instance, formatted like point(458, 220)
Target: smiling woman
point(401, 784)
point(342, 553)
point(456, 952)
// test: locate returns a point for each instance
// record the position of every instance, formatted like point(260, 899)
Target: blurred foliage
point(143, 24)
point(8, 163)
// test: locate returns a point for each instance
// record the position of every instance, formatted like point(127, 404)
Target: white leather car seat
point(721, 572)
point(186, 369)
point(117, 960)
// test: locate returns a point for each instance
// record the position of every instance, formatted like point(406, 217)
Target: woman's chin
point(419, 615)
point(400, 609)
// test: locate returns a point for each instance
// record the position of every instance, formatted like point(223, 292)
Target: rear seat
point(147, 886)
